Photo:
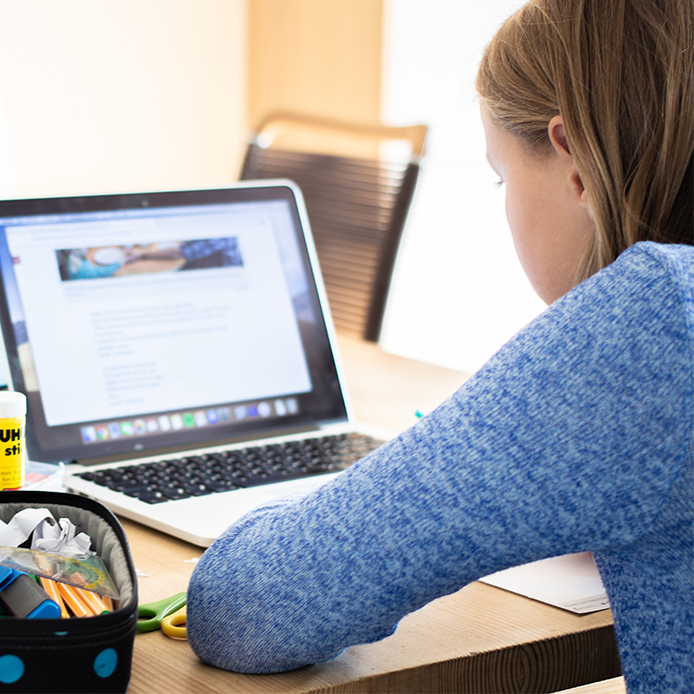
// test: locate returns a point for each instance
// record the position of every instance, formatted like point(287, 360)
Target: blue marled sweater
point(577, 435)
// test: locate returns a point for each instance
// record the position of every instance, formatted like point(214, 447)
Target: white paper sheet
point(571, 582)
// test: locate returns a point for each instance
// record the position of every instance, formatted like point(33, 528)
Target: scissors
point(168, 615)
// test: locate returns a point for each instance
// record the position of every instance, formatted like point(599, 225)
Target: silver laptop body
point(178, 325)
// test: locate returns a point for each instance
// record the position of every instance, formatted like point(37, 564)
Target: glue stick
point(13, 409)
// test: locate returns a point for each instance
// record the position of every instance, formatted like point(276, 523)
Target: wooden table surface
point(480, 639)
point(615, 685)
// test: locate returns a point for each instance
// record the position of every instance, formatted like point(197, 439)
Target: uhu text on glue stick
point(13, 409)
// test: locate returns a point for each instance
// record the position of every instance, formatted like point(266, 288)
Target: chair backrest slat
point(357, 209)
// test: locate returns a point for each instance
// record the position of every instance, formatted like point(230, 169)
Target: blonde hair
point(621, 74)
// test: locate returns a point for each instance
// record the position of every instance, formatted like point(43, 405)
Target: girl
point(578, 434)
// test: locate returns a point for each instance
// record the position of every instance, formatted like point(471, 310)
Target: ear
point(557, 136)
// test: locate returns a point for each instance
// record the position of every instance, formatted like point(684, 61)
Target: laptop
point(176, 350)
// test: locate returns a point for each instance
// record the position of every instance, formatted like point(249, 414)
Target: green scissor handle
point(153, 612)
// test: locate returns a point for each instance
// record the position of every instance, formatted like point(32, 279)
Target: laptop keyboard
point(181, 478)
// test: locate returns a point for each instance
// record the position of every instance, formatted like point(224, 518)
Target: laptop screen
point(147, 321)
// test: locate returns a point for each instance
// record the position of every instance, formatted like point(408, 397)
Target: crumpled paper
point(49, 535)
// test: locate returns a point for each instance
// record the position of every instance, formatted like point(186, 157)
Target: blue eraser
point(21, 596)
point(7, 575)
point(48, 609)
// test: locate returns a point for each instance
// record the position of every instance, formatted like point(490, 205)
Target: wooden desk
point(615, 685)
point(481, 639)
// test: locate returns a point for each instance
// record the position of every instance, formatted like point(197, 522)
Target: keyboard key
point(181, 478)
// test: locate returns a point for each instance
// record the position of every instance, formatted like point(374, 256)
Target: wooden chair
point(358, 183)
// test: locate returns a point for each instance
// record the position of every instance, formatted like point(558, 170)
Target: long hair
point(621, 74)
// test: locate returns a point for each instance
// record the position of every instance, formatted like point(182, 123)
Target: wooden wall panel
point(320, 57)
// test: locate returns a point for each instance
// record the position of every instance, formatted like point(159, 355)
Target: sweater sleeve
point(569, 439)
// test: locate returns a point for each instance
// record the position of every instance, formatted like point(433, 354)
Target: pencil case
point(90, 654)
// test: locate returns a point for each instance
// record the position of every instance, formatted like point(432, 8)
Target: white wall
point(115, 95)
point(459, 292)
point(7, 184)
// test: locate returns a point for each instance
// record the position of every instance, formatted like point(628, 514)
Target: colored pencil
point(73, 601)
point(51, 588)
point(92, 601)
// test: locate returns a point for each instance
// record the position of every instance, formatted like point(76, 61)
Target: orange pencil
point(108, 602)
point(77, 577)
point(51, 588)
point(73, 600)
point(92, 601)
